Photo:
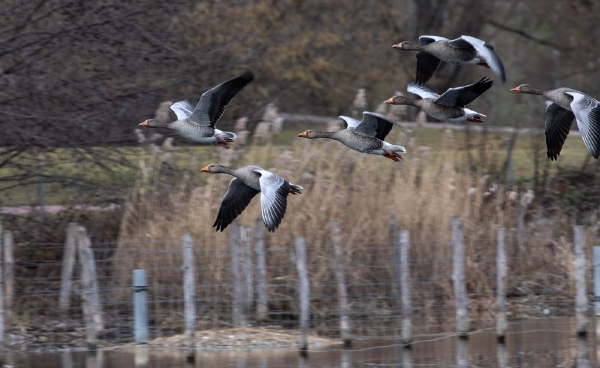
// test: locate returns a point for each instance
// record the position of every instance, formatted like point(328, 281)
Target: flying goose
point(568, 105)
point(248, 181)
point(198, 124)
point(365, 136)
point(465, 50)
point(448, 107)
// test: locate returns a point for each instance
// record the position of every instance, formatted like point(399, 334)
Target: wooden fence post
point(336, 237)
point(405, 294)
point(261, 272)
point(1, 294)
point(581, 300)
point(89, 288)
point(67, 267)
point(246, 270)
point(458, 278)
point(189, 293)
point(238, 315)
point(9, 270)
point(597, 282)
point(304, 291)
point(500, 291)
point(140, 307)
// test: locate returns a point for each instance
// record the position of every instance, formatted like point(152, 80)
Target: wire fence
point(540, 282)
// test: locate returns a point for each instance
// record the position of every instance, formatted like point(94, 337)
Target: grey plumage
point(367, 136)
point(465, 50)
point(567, 105)
point(198, 124)
point(248, 181)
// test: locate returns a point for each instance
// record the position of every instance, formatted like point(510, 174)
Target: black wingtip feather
point(248, 75)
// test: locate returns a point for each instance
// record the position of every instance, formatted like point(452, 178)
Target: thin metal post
point(67, 267)
point(336, 237)
point(458, 278)
point(246, 270)
point(238, 315)
point(500, 291)
point(581, 301)
point(9, 270)
point(304, 291)
point(261, 272)
point(189, 293)
point(40, 187)
point(140, 307)
point(405, 292)
point(1, 294)
point(597, 280)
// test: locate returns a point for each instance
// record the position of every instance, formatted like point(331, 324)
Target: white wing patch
point(469, 112)
point(421, 91)
point(488, 54)
point(183, 109)
point(351, 122)
point(588, 121)
point(273, 198)
point(434, 38)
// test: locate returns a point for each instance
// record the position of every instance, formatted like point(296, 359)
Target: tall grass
point(359, 190)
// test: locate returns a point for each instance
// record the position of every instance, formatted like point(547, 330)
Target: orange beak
point(389, 101)
point(204, 169)
point(145, 123)
point(397, 46)
point(516, 89)
point(303, 135)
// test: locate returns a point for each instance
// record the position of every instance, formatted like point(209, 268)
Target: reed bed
point(361, 191)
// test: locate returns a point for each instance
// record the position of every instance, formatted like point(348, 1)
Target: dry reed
point(360, 191)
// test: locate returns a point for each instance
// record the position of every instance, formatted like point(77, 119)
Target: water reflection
point(542, 343)
point(462, 352)
point(141, 355)
point(502, 355)
point(583, 353)
point(66, 360)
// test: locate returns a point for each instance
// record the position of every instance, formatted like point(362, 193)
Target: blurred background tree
point(80, 75)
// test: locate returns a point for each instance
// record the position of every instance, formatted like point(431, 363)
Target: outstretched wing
point(462, 96)
point(213, 102)
point(183, 109)
point(421, 91)
point(488, 54)
point(273, 199)
point(427, 64)
point(587, 112)
point(350, 123)
point(374, 125)
point(236, 199)
point(558, 125)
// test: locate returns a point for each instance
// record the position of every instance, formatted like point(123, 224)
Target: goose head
point(526, 88)
point(152, 123)
point(405, 45)
point(213, 169)
point(310, 134)
point(399, 100)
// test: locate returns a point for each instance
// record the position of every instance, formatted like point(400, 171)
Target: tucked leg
point(392, 155)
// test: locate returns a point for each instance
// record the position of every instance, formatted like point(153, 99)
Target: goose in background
point(568, 105)
point(448, 107)
point(248, 181)
point(465, 50)
point(367, 135)
point(198, 124)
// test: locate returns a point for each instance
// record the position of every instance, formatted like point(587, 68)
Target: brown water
point(542, 343)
